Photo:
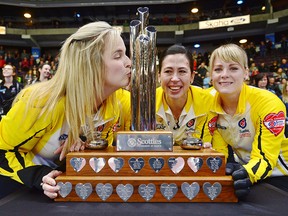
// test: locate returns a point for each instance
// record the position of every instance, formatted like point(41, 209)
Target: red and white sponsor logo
point(190, 123)
point(212, 125)
point(100, 128)
point(275, 123)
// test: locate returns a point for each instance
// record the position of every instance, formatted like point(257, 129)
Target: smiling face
point(7, 71)
point(228, 77)
point(117, 65)
point(45, 71)
point(176, 76)
point(229, 69)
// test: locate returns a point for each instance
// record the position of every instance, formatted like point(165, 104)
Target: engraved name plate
point(176, 164)
point(147, 192)
point(168, 190)
point(214, 163)
point(136, 164)
point(104, 191)
point(190, 190)
point(97, 164)
point(195, 163)
point(144, 141)
point(77, 163)
point(116, 164)
point(212, 191)
point(65, 189)
point(156, 163)
point(83, 190)
point(124, 191)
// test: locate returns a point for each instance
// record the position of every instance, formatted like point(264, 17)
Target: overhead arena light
point(27, 15)
point(242, 41)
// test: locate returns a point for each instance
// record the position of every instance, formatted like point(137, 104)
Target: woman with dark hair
point(261, 80)
point(181, 107)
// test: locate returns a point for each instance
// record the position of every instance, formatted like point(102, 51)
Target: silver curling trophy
point(143, 135)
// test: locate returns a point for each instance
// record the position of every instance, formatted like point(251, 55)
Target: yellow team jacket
point(24, 145)
point(194, 116)
point(255, 132)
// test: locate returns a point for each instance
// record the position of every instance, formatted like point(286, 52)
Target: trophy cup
point(191, 142)
point(93, 139)
point(143, 136)
point(145, 166)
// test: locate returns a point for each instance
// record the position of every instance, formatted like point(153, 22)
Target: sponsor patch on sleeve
point(275, 123)
point(212, 125)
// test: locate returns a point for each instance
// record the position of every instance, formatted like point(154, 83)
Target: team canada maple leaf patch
point(275, 123)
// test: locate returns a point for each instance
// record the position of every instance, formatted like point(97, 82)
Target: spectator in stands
point(24, 54)
point(274, 67)
point(85, 95)
point(284, 65)
point(273, 87)
point(262, 49)
point(25, 65)
point(10, 59)
point(253, 71)
point(202, 70)
point(9, 88)
point(263, 68)
point(32, 61)
point(250, 120)
point(261, 80)
point(280, 74)
point(43, 73)
point(282, 83)
point(207, 80)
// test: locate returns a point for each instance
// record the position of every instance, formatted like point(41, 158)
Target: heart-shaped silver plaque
point(83, 190)
point(147, 192)
point(136, 164)
point(97, 164)
point(190, 190)
point(156, 163)
point(116, 164)
point(212, 191)
point(214, 163)
point(77, 163)
point(168, 190)
point(65, 189)
point(176, 164)
point(195, 163)
point(124, 191)
point(104, 191)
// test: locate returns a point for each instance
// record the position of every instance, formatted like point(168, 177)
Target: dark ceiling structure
point(41, 31)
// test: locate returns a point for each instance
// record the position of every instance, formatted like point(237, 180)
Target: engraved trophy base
point(178, 176)
point(144, 141)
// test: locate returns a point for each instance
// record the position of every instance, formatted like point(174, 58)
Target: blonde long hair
point(80, 77)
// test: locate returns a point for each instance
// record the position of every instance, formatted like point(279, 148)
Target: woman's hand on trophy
point(79, 145)
point(76, 146)
point(49, 184)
